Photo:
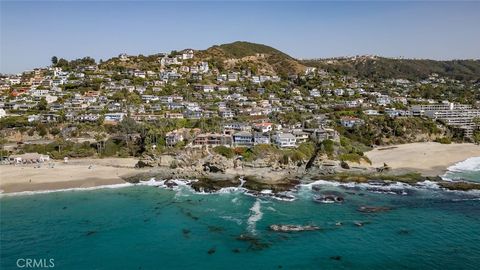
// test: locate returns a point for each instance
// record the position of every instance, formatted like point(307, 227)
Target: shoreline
point(90, 173)
point(427, 158)
point(57, 175)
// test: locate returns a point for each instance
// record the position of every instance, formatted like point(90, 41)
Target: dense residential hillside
point(237, 96)
point(381, 68)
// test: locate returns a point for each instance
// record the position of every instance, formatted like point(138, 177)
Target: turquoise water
point(143, 227)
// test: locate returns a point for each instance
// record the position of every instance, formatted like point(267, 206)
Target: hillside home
point(212, 139)
point(350, 122)
point(285, 140)
point(243, 138)
point(261, 138)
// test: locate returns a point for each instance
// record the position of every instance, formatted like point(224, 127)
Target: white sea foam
point(152, 182)
point(255, 215)
point(242, 181)
point(467, 199)
point(397, 188)
point(230, 218)
point(24, 193)
point(428, 184)
point(471, 164)
point(271, 209)
point(468, 169)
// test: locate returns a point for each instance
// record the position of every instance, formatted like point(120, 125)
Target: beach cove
point(428, 159)
point(98, 220)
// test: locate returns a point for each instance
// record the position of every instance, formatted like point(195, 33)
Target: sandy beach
point(77, 173)
point(427, 158)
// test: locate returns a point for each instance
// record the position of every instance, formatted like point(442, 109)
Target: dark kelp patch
point(254, 242)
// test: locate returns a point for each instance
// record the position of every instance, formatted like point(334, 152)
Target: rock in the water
point(328, 198)
point(293, 228)
point(373, 209)
point(358, 223)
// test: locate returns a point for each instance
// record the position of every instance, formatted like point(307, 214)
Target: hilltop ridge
point(376, 67)
point(263, 59)
point(258, 56)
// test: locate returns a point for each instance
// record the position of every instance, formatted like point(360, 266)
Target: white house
point(114, 117)
point(263, 127)
point(187, 54)
point(349, 122)
point(285, 140)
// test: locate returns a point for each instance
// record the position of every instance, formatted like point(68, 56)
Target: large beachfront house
point(285, 140)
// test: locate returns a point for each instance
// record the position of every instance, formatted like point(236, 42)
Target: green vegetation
point(382, 130)
point(410, 178)
point(413, 69)
point(444, 140)
point(13, 122)
point(241, 49)
point(463, 186)
point(224, 151)
point(60, 149)
point(282, 63)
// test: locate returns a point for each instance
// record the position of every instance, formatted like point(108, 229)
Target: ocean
point(466, 170)
point(148, 227)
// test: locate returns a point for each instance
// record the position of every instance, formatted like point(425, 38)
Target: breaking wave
point(255, 215)
point(26, 193)
point(471, 164)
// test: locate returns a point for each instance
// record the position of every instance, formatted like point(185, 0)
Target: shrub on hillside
point(224, 151)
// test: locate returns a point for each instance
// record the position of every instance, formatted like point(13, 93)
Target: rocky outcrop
point(328, 198)
point(214, 184)
point(256, 183)
point(217, 164)
point(293, 228)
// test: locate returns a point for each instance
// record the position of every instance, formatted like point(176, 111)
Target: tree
point(42, 130)
point(476, 121)
point(100, 142)
point(63, 63)
point(476, 137)
point(42, 105)
point(54, 60)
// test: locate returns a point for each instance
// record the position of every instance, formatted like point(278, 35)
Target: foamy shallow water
point(468, 170)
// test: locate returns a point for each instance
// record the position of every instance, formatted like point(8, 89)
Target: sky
point(32, 32)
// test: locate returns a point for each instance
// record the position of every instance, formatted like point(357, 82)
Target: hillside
point(381, 68)
point(241, 49)
point(262, 57)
